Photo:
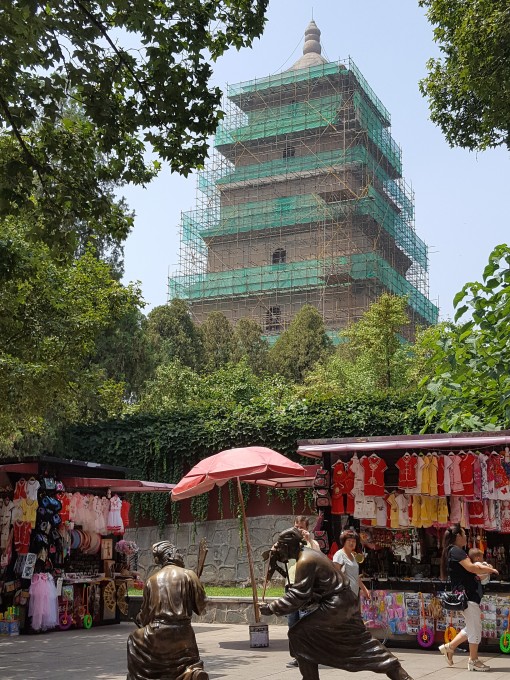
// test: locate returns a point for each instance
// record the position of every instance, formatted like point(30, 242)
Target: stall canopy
point(82, 475)
point(118, 485)
point(315, 448)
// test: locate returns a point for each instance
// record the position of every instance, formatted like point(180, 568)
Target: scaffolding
point(303, 201)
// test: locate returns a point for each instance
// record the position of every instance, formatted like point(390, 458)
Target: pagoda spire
point(311, 49)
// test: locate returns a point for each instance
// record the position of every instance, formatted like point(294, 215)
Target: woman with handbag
point(346, 558)
point(461, 572)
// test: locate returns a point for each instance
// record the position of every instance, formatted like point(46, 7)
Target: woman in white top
point(346, 557)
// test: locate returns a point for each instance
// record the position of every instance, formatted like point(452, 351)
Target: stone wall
point(220, 610)
point(226, 562)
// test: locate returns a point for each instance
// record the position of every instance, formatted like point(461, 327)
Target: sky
point(458, 194)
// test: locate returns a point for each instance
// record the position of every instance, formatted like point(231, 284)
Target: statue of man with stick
point(332, 632)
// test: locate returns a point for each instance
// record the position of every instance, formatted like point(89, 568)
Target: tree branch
point(32, 161)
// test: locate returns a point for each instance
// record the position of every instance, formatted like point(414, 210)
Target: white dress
point(115, 524)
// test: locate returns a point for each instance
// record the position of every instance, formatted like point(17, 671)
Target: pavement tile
point(100, 654)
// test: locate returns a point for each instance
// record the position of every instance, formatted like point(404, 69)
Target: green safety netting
point(343, 68)
point(305, 274)
point(280, 120)
point(304, 209)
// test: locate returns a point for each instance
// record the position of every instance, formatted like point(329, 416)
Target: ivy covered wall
point(164, 448)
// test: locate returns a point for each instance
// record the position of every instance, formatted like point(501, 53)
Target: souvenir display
point(52, 542)
point(401, 502)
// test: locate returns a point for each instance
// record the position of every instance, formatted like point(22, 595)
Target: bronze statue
point(164, 646)
point(333, 632)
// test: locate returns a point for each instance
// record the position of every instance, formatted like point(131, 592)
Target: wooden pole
point(249, 553)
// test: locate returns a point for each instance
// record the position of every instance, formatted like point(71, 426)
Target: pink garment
point(448, 464)
point(455, 509)
point(489, 518)
point(456, 476)
point(505, 517)
point(43, 605)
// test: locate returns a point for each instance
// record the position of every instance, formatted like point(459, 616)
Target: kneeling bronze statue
point(333, 632)
point(164, 646)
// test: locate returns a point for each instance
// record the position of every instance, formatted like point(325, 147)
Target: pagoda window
point(274, 319)
point(279, 256)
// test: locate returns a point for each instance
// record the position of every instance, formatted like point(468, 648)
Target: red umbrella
point(251, 463)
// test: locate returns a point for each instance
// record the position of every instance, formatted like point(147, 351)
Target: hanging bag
point(322, 539)
point(454, 600)
point(322, 497)
point(321, 480)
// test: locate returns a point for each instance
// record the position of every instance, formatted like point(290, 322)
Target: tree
point(173, 386)
point(371, 355)
point(50, 316)
point(250, 344)
point(138, 71)
point(69, 201)
point(469, 380)
point(125, 354)
point(376, 339)
point(299, 347)
point(469, 86)
point(174, 336)
point(218, 339)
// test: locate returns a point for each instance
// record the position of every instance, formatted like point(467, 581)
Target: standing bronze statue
point(333, 633)
point(164, 646)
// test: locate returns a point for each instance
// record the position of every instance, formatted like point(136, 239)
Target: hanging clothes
point(467, 474)
point(407, 471)
point(374, 468)
point(429, 475)
point(403, 501)
point(339, 474)
point(456, 475)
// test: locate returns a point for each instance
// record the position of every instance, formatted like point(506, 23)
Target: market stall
point(400, 493)
point(63, 560)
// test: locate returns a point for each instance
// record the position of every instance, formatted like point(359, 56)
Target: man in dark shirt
point(333, 633)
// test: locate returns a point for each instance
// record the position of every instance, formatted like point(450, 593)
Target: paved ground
point(100, 654)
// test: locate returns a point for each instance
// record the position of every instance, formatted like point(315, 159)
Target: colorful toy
point(504, 640)
point(65, 620)
point(87, 617)
point(451, 631)
point(425, 635)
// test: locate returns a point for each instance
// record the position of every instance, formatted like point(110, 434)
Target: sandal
point(447, 652)
point(477, 665)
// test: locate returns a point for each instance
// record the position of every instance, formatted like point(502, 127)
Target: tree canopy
point(468, 87)
point(174, 336)
point(50, 316)
point(301, 345)
point(469, 380)
point(138, 71)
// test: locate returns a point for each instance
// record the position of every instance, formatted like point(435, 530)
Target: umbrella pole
point(248, 551)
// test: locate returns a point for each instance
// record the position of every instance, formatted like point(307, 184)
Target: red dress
point(343, 482)
point(407, 471)
point(374, 475)
point(467, 461)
